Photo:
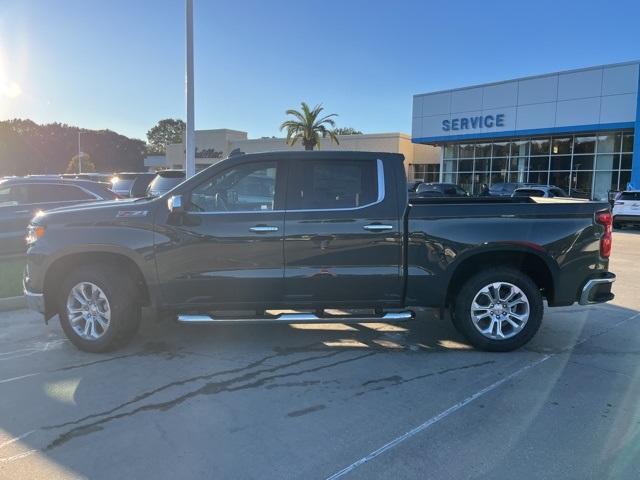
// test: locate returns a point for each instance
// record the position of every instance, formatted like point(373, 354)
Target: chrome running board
point(299, 318)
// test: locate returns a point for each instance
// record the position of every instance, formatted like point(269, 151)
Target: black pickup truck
point(328, 235)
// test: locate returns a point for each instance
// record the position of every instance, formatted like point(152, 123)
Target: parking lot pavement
point(377, 401)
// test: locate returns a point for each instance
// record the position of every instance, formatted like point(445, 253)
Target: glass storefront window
point(501, 149)
point(562, 146)
point(518, 177)
point(465, 165)
point(560, 179)
point(483, 150)
point(465, 151)
point(584, 165)
point(541, 178)
point(499, 165)
point(518, 164)
point(520, 148)
point(465, 180)
point(604, 183)
point(627, 142)
point(583, 162)
point(450, 151)
point(540, 146)
point(609, 143)
point(581, 184)
point(625, 178)
point(608, 162)
point(449, 178)
point(539, 163)
point(584, 145)
point(480, 179)
point(561, 162)
point(481, 165)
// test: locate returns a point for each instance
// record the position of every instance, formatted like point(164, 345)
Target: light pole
point(190, 148)
point(79, 154)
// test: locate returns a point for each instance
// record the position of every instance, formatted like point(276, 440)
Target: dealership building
point(573, 129)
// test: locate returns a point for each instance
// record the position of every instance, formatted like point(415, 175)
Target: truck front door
point(226, 249)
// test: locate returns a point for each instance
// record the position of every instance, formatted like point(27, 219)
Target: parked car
point(626, 209)
point(439, 190)
point(547, 191)
point(22, 197)
point(94, 177)
point(164, 181)
point(411, 186)
point(131, 184)
point(506, 189)
point(313, 231)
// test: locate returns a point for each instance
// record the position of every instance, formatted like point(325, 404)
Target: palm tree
point(309, 127)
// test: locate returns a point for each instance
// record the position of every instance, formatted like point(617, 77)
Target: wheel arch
point(535, 263)
point(64, 264)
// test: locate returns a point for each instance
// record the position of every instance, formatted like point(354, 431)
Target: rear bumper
point(626, 218)
point(597, 289)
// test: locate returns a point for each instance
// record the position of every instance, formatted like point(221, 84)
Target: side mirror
point(175, 204)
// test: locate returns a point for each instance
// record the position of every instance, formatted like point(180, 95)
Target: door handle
point(23, 211)
point(378, 227)
point(263, 229)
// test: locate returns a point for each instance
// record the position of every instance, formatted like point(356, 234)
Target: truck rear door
point(343, 236)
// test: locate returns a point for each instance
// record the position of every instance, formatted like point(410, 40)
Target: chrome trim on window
point(380, 199)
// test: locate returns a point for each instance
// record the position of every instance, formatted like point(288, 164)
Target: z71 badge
point(132, 213)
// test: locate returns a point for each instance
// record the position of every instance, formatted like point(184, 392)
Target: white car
point(626, 208)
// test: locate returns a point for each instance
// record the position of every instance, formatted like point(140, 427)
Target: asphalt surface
point(378, 401)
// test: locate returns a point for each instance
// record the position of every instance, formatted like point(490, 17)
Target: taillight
point(606, 220)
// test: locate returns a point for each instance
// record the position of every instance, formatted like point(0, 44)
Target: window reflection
point(585, 165)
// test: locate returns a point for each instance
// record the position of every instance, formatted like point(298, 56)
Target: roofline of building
point(529, 77)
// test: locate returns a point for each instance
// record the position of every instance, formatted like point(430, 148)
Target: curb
point(12, 303)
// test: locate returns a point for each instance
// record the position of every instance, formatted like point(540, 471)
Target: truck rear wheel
point(498, 311)
point(98, 308)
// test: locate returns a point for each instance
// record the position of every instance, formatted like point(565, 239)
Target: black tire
point(461, 309)
point(125, 310)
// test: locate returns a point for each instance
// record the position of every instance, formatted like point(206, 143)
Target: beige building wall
point(224, 141)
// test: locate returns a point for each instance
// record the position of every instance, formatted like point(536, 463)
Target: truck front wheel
point(98, 308)
point(498, 311)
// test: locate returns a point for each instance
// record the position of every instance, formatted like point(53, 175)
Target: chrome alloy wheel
point(500, 310)
point(88, 311)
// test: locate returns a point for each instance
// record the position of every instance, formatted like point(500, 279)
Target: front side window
point(249, 187)
point(331, 184)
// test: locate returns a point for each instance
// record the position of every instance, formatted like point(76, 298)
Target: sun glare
point(12, 90)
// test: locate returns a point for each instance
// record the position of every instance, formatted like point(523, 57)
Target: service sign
point(473, 123)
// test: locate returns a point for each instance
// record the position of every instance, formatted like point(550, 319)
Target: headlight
point(34, 232)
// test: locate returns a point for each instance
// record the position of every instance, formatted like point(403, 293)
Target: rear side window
point(330, 184)
point(630, 196)
point(529, 192)
point(56, 193)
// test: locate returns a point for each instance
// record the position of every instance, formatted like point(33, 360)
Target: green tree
point(166, 131)
point(309, 126)
point(347, 131)
point(87, 165)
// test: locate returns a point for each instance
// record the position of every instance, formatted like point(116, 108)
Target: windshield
point(164, 183)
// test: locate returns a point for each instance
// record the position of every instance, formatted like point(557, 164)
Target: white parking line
point(15, 439)
point(454, 408)
point(13, 379)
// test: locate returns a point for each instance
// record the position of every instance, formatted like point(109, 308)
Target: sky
point(119, 64)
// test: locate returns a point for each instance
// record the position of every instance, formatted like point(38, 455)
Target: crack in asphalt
point(210, 388)
point(175, 383)
point(399, 380)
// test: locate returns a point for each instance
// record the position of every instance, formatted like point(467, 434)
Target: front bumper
point(598, 289)
point(35, 301)
point(626, 218)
